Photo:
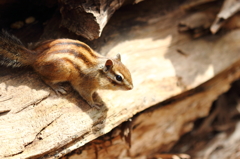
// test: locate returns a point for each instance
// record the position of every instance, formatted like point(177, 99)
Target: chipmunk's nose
point(130, 87)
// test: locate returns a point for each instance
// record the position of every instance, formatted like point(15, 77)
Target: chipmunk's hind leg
point(55, 72)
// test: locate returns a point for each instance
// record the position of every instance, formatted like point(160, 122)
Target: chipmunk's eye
point(119, 78)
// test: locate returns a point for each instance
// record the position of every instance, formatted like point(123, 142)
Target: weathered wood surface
point(158, 128)
point(164, 63)
point(229, 8)
point(88, 18)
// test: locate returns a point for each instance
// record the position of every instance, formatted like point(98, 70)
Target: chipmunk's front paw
point(96, 105)
point(93, 100)
point(59, 89)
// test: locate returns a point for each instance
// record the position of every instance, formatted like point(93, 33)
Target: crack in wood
point(3, 99)
point(4, 112)
point(14, 154)
point(70, 147)
point(35, 102)
point(36, 137)
point(38, 134)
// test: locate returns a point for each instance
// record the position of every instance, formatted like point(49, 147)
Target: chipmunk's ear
point(118, 57)
point(108, 65)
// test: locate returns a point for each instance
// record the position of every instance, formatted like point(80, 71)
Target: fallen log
point(176, 78)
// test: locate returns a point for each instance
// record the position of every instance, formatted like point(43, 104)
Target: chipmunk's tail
point(13, 53)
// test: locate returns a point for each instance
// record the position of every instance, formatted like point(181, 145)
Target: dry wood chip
point(229, 8)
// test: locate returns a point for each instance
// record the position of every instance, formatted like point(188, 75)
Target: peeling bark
point(87, 18)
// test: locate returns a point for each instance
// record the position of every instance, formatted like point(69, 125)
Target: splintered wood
point(176, 78)
point(229, 9)
point(217, 135)
point(94, 15)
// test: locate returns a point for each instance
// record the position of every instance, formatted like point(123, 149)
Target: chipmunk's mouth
point(130, 87)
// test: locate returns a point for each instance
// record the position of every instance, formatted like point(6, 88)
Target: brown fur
point(66, 60)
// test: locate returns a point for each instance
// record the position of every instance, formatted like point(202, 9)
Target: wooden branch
point(156, 129)
point(191, 4)
point(36, 123)
point(229, 8)
point(87, 18)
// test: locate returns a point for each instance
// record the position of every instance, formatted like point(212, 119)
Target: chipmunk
point(67, 60)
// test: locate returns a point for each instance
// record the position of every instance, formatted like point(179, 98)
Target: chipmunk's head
point(117, 74)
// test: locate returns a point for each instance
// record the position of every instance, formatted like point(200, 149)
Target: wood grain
point(147, 38)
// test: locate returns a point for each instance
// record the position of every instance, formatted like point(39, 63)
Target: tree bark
point(87, 18)
point(176, 78)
